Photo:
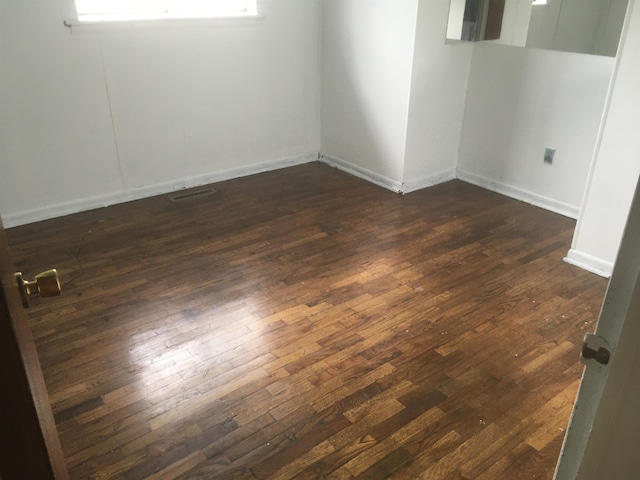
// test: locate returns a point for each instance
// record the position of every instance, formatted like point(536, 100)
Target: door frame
point(29, 439)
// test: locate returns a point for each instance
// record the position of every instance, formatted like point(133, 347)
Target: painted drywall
point(616, 166)
point(56, 137)
point(367, 57)
point(521, 101)
point(437, 98)
point(106, 115)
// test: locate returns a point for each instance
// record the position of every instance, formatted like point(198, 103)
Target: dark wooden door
point(29, 443)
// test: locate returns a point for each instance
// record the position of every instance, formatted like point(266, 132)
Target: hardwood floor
point(305, 324)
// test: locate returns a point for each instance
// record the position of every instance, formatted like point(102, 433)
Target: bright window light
point(122, 10)
point(539, 2)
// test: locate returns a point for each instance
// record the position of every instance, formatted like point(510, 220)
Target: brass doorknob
point(45, 284)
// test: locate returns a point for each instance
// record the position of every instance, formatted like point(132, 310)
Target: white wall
point(367, 56)
point(103, 116)
point(523, 100)
point(616, 166)
point(438, 92)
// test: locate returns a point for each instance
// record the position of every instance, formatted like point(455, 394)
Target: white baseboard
point(360, 172)
point(429, 181)
point(99, 201)
point(589, 262)
point(541, 201)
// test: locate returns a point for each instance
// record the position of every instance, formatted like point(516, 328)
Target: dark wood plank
point(305, 324)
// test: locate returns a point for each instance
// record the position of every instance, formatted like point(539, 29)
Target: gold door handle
point(45, 284)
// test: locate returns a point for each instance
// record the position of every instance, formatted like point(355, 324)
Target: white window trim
point(77, 26)
point(154, 20)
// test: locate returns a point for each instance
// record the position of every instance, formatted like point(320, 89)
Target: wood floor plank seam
point(304, 324)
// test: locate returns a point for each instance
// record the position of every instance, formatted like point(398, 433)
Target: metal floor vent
point(197, 193)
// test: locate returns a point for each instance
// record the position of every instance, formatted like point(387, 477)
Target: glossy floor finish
point(306, 324)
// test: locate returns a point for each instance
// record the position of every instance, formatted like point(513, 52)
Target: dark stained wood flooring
point(305, 324)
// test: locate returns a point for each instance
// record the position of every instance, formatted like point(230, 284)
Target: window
point(122, 10)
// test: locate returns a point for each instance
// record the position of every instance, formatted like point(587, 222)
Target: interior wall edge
point(361, 172)
point(99, 201)
point(589, 263)
point(521, 194)
point(429, 180)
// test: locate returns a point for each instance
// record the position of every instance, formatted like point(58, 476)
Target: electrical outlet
point(549, 153)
